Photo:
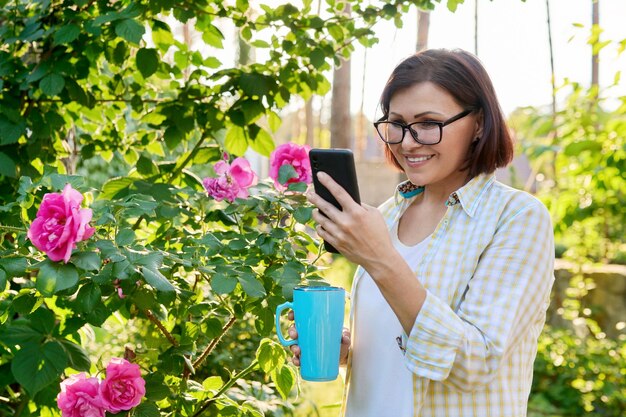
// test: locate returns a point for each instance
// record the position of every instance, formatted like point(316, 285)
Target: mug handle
point(279, 310)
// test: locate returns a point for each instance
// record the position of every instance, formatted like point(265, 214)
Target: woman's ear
point(478, 126)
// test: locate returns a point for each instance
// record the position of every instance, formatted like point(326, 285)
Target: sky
point(512, 44)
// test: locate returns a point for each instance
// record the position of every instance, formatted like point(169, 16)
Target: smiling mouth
point(419, 159)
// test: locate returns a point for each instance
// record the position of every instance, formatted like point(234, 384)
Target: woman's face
point(433, 165)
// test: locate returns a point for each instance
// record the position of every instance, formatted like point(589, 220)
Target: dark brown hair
point(463, 76)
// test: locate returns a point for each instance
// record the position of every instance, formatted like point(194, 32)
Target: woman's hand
point(359, 231)
point(295, 349)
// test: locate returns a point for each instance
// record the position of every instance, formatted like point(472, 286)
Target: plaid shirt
point(488, 271)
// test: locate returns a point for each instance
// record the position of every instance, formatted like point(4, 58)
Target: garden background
point(135, 103)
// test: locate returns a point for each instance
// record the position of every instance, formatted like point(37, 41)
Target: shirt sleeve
point(506, 295)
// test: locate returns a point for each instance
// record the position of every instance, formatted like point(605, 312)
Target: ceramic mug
point(318, 314)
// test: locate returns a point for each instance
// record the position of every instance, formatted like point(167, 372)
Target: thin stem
point(12, 228)
point(160, 326)
point(210, 347)
point(226, 387)
point(193, 153)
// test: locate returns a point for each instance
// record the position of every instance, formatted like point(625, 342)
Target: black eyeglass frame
point(406, 127)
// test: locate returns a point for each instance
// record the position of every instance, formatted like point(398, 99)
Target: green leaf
point(270, 355)
point(251, 285)
point(78, 357)
point(303, 214)
point(7, 165)
point(284, 378)
point(125, 237)
point(298, 187)
point(318, 58)
point(26, 302)
point(54, 277)
point(274, 121)
point(52, 84)
point(115, 187)
point(20, 334)
point(66, 34)
point(89, 296)
point(236, 141)
point(3, 280)
point(254, 84)
point(120, 53)
point(130, 30)
point(285, 173)
point(89, 261)
point(263, 143)
point(173, 136)
point(37, 366)
point(146, 166)
point(14, 267)
point(147, 409)
point(575, 148)
point(156, 389)
point(10, 133)
point(223, 284)
point(212, 36)
point(157, 280)
point(151, 260)
point(59, 181)
point(42, 320)
point(212, 383)
point(147, 61)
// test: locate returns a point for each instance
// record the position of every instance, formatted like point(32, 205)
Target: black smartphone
point(339, 164)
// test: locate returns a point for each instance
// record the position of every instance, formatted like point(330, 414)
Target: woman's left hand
point(359, 231)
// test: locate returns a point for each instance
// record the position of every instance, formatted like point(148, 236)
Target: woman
point(455, 270)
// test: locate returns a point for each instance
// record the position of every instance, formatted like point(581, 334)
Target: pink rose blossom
point(232, 181)
point(123, 388)
point(60, 223)
point(79, 397)
point(291, 154)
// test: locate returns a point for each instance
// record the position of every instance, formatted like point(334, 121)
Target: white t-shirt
point(380, 384)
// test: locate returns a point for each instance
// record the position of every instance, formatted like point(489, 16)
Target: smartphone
point(339, 164)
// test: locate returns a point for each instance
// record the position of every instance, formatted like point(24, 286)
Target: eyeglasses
point(426, 133)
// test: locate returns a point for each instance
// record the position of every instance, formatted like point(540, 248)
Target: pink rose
point(79, 397)
point(232, 181)
point(291, 154)
point(60, 223)
point(123, 388)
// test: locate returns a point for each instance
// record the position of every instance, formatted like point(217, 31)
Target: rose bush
point(179, 266)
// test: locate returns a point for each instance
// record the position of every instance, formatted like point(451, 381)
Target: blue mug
point(318, 313)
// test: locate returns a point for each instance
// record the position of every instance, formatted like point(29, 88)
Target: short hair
point(462, 75)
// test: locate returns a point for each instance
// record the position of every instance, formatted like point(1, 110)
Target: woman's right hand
point(295, 349)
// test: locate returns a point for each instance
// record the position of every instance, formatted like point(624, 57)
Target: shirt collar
point(468, 196)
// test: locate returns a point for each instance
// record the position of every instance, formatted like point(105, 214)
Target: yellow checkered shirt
point(488, 272)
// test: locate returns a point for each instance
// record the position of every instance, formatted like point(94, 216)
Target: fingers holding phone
point(358, 231)
point(340, 189)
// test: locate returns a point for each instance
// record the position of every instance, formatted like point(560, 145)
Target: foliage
point(579, 376)
point(579, 156)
